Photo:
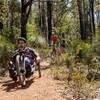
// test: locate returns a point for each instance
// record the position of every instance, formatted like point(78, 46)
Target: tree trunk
point(98, 16)
point(23, 29)
point(11, 21)
point(49, 15)
point(81, 17)
point(98, 20)
point(92, 15)
point(43, 18)
point(25, 11)
point(39, 16)
point(11, 11)
point(23, 20)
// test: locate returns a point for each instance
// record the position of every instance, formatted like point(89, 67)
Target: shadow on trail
point(11, 86)
point(45, 68)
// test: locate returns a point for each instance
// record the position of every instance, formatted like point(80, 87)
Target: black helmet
point(22, 39)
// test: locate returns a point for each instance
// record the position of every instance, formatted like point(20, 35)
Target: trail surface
point(44, 88)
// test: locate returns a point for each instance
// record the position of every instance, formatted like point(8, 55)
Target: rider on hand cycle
point(30, 57)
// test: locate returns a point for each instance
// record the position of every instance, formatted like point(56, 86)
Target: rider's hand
point(10, 62)
point(37, 59)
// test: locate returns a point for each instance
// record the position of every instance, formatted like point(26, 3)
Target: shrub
point(5, 51)
point(82, 50)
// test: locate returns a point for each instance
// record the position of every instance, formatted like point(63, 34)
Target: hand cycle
point(20, 67)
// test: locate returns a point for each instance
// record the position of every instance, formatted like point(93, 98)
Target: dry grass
point(64, 68)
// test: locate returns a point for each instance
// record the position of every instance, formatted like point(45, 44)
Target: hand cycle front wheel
point(21, 70)
point(22, 80)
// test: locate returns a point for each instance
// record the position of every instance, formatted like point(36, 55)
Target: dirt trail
point(44, 88)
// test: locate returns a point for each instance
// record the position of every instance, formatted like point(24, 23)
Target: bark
point(25, 11)
point(86, 16)
point(43, 19)
point(49, 15)
point(92, 15)
point(81, 18)
point(39, 18)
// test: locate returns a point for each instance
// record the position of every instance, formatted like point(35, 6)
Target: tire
point(14, 78)
point(22, 80)
point(21, 74)
point(28, 72)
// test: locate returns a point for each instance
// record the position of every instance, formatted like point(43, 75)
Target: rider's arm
point(37, 60)
point(13, 57)
point(38, 64)
point(35, 55)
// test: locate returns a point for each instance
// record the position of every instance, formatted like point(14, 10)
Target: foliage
point(5, 51)
point(10, 18)
point(96, 45)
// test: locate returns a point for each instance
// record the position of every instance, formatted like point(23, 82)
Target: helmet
point(22, 39)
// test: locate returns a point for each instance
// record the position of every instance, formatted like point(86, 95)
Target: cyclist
point(30, 57)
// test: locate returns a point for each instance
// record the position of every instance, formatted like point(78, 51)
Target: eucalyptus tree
point(86, 17)
point(97, 12)
point(25, 11)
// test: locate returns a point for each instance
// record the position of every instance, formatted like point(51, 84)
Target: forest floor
point(44, 88)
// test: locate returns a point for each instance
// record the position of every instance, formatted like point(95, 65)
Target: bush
point(82, 50)
point(96, 45)
point(5, 51)
point(37, 41)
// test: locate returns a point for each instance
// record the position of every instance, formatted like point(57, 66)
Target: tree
point(81, 18)
point(91, 3)
point(97, 10)
point(49, 16)
point(42, 18)
point(25, 11)
point(59, 10)
point(12, 9)
point(86, 17)
point(14, 19)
